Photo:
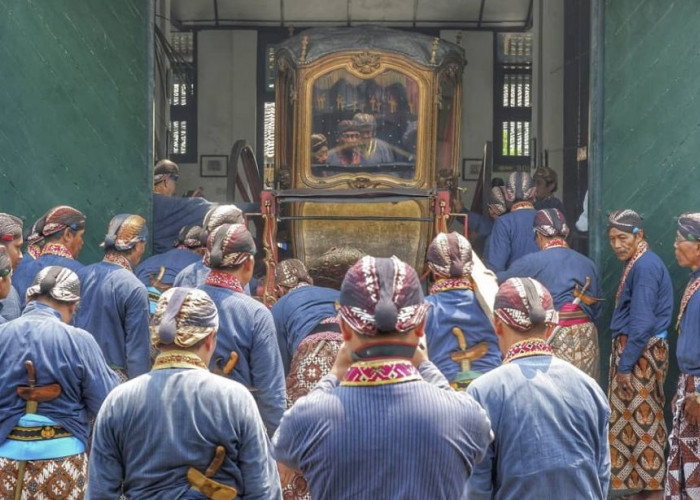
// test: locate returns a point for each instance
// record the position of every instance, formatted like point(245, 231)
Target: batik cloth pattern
point(687, 295)
point(578, 344)
point(683, 477)
point(380, 372)
point(637, 428)
point(55, 479)
point(641, 249)
point(312, 361)
point(119, 260)
point(526, 348)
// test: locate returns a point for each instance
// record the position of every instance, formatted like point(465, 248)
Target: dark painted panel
point(75, 95)
point(651, 132)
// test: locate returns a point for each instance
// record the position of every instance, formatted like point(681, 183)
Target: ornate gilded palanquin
point(387, 103)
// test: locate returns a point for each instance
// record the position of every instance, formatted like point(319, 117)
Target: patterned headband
point(183, 317)
point(497, 200)
point(689, 226)
point(191, 237)
point(222, 214)
point(627, 221)
point(58, 282)
point(10, 227)
point(450, 256)
point(229, 246)
point(550, 222)
point(330, 268)
point(289, 273)
point(520, 187)
point(523, 303)
point(124, 231)
point(59, 218)
point(382, 295)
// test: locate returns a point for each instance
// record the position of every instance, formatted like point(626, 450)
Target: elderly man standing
point(564, 272)
point(115, 304)
point(358, 432)
point(180, 431)
point(460, 336)
point(549, 418)
point(54, 378)
point(511, 236)
point(639, 361)
point(683, 476)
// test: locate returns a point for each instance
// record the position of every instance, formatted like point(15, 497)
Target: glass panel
point(364, 125)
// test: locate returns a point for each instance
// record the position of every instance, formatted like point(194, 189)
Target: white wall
point(548, 82)
point(226, 101)
point(477, 97)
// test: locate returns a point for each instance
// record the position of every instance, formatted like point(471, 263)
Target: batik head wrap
point(524, 303)
point(381, 295)
point(317, 142)
point(163, 170)
point(183, 317)
point(519, 187)
point(689, 226)
point(289, 273)
point(330, 268)
point(222, 214)
point(229, 246)
point(347, 126)
point(10, 228)
point(191, 237)
point(497, 200)
point(548, 175)
point(5, 262)
point(124, 231)
point(365, 122)
point(59, 218)
point(550, 222)
point(450, 256)
point(627, 221)
point(58, 282)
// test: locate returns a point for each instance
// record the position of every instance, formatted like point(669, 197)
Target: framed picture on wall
point(213, 165)
point(471, 168)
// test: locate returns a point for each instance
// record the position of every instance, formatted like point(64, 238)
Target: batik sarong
point(637, 428)
point(312, 360)
point(576, 341)
point(55, 479)
point(683, 477)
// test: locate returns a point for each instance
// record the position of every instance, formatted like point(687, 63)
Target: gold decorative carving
point(362, 183)
point(446, 179)
point(304, 46)
point(365, 62)
point(284, 178)
point(433, 54)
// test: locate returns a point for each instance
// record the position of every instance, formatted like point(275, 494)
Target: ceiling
point(462, 14)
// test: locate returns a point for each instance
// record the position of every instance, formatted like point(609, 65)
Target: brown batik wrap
point(62, 478)
point(637, 428)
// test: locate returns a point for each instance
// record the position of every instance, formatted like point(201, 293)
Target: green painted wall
point(75, 99)
point(651, 133)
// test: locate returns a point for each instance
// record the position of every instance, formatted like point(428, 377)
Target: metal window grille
point(183, 99)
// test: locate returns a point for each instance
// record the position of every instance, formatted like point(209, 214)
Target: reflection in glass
point(367, 125)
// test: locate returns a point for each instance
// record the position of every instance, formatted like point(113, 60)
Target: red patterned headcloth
point(450, 256)
point(520, 187)
point(524, 303)
point(381, 295)
point(229, 246)
point(550, 222)
point(59, 218)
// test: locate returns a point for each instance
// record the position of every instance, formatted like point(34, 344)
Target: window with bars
point(513, 105)
point(183, 100)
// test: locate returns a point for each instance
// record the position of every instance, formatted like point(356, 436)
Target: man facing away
point(682, 478)
point(564, 272)
point(62, 229)
point(638, 362)
point(11, 239)
point(384, 423)
point(115, 304)
point(181, 431)
point(549, 418)
point(45, 407)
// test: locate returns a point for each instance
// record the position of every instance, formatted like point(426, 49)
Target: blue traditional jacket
point(153, 428)
point(27, 269)
point(174, 261)
point(511, 238)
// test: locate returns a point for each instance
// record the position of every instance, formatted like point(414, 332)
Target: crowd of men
point(165, 378)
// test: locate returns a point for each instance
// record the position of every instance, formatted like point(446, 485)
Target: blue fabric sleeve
point(282, 335)
point(433, 375)
point(480, 484)
point(642, 321)
point(498, 249)
point(99, 379)
point(138, 338)
point(105, 473)
point(266, 372)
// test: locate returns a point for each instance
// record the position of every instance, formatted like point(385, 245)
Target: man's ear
point(498, 326)
point(345, 330)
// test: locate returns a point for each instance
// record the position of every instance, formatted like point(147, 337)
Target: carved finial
point(433, 55)
point(304, 45)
